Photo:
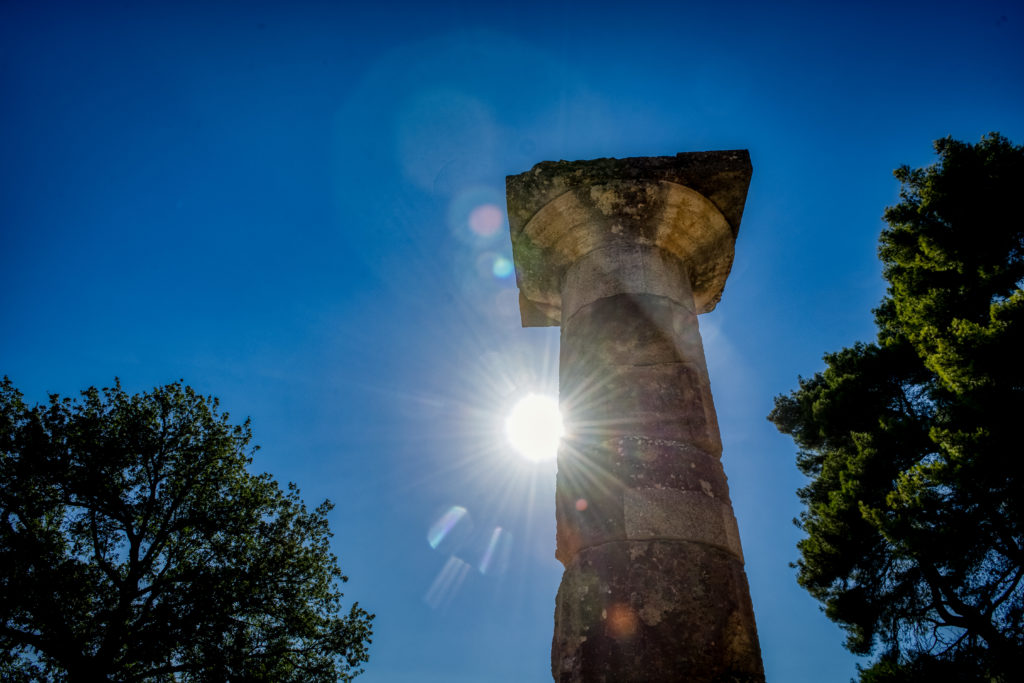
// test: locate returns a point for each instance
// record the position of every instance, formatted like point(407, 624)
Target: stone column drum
point(624, 254)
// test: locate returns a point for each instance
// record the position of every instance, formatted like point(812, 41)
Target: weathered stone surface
point(670, 401)
point(597, 497)
point(619, 215)
point(665, 514)
point(641, 462)
point(633, 329)
point(689, 205)
point(624, 254)
point(721, 176)
point(631, 269)
point(589, 506)
point(642, 611)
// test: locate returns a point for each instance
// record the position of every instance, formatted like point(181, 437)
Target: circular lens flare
point(485, 220)
point(534, 427)
point(502, 267)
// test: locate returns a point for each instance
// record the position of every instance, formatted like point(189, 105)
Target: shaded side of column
point(654, 587)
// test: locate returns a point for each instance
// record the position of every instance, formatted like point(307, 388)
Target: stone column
point(624, 254)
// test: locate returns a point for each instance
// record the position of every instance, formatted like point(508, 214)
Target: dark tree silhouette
point(136, 546)
point(915, 542)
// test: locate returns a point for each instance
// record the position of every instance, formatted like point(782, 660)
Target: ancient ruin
point(624, 254)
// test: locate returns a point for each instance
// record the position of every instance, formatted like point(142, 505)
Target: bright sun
point(534, 427)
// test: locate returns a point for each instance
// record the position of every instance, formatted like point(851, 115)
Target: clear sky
point(290, 205)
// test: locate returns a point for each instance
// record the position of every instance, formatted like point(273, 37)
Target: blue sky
point(273, 201)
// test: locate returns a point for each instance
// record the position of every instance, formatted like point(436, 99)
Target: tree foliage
point(915, 542)
point(136, 546)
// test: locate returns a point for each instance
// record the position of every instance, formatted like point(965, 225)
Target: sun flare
point(534, 427)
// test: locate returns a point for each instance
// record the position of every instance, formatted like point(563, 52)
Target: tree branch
point(113, 575)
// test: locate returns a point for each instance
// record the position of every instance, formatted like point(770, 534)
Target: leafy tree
point(915, 543)
point(136, 546)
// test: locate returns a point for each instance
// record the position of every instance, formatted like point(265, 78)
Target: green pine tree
point(913, 443)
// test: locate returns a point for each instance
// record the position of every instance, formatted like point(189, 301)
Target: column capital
point(688, 205)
